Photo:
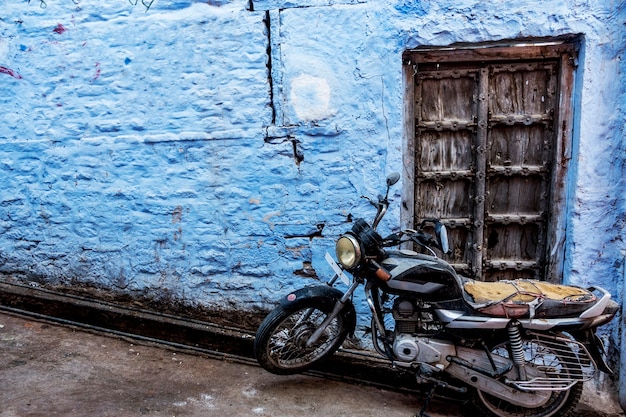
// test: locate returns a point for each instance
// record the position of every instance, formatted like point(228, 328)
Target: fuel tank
point(429, 277)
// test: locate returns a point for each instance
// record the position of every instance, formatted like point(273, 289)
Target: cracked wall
point(195, 148)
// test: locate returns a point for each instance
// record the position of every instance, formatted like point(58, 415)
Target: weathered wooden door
point(485, 136)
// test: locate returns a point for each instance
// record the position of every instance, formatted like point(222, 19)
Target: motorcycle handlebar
point(422, 238)
point(418, 236)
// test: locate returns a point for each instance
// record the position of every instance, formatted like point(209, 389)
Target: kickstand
point(431, 394)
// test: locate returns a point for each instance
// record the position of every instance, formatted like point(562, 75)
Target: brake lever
point(393, 239)
point(422, 238)
point(371, 201)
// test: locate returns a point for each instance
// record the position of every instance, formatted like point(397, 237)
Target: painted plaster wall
point(163, 152)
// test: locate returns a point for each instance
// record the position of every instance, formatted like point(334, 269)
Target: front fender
point(324, 296)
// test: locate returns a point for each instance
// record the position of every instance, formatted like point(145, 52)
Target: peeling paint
point(177, 215)
point(267, 217)
point(59, 29)
point(8, 71)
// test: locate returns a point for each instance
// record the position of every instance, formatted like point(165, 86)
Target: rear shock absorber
point(517, 350)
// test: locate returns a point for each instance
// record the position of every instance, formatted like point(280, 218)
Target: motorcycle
point(515, 348)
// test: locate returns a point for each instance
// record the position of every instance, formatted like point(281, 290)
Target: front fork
point(375, 308)
point(339, 305)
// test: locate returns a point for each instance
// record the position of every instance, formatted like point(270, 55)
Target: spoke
point(287, 344)
point(305, 316)
point(548, 362)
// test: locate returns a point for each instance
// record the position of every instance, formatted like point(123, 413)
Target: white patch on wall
point(4, 50)
point(310, 97)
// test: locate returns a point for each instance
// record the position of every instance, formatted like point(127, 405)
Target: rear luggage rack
point(562, 362)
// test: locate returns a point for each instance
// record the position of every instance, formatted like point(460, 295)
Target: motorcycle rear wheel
point(559, 403)
point(280, 343)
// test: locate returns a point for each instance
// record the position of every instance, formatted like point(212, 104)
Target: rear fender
point(326, 297)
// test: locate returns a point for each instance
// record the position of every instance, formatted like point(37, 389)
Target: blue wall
point(191, 149)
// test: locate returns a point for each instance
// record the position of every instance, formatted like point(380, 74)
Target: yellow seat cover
point(522, 291)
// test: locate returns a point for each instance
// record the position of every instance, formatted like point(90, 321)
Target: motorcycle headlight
point(348, 251)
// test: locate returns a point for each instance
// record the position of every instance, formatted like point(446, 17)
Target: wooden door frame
point(565, 49)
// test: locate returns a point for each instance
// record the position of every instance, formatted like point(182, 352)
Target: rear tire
point(559, 403)
point(280, 343)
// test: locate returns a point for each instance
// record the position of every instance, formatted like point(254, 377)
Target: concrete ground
point(51, 370)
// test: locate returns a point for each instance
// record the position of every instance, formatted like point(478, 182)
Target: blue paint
point(176, 170)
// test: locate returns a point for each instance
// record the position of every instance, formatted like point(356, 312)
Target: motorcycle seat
point(527, 298)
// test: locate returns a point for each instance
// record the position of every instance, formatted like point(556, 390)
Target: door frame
point(565, 49)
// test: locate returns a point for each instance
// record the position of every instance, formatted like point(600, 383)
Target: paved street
point(51, 370)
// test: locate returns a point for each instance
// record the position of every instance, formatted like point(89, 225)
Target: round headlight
point(348, 251)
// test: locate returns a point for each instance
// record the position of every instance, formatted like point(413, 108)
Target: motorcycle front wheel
point(280, 345)
point(543, 357)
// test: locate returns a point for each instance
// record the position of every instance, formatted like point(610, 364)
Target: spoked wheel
point(543, 360)
point(281, 341)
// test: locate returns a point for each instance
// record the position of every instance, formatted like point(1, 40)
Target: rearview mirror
point(442, 237)
point(392, 178)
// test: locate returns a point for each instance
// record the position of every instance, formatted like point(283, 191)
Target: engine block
point(412, 317)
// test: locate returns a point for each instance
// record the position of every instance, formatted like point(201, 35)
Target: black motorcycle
point(518, 348)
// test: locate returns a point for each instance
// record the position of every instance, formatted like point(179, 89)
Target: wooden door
point(446, 110)
point(484, 140)
point(521, 107)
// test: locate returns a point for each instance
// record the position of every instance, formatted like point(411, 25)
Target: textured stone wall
point(213, 150)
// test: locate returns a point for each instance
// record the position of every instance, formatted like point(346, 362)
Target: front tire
point(280, 343)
